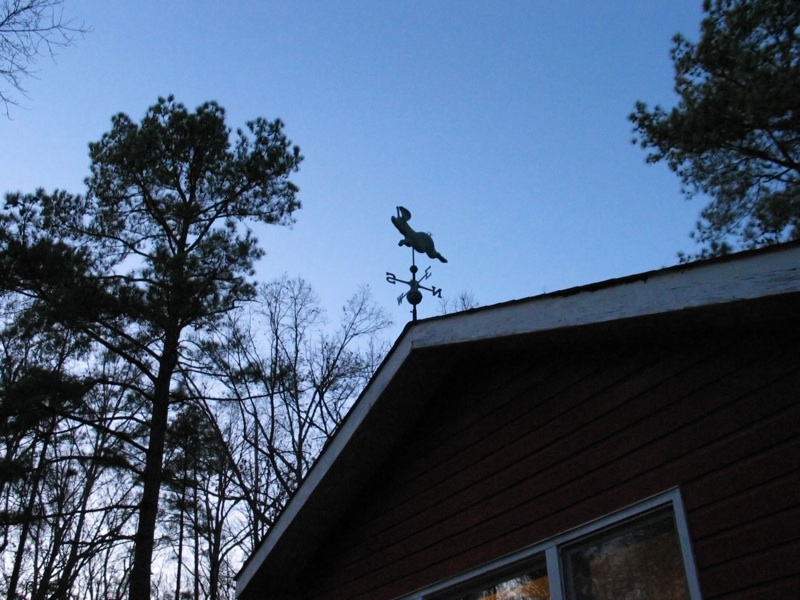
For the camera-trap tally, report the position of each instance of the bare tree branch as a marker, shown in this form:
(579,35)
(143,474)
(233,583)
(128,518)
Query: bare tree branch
(30,29)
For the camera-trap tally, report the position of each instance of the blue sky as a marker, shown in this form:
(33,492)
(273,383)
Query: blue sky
(502,127)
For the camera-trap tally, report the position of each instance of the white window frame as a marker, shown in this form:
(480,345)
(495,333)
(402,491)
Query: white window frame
(550,550)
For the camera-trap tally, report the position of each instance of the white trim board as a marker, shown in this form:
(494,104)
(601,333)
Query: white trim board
(752,275)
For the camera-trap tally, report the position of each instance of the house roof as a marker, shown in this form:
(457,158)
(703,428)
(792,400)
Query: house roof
(747,287)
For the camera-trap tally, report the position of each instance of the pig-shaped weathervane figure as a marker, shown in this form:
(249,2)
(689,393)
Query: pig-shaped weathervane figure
(419,241)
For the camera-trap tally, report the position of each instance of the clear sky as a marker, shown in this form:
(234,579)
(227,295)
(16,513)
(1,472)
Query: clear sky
(501,125)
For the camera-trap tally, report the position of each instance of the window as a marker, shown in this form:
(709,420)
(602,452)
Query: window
(638,560)
(639,553)
(530,585)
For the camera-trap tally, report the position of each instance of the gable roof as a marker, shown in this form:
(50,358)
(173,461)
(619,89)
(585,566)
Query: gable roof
(748,286)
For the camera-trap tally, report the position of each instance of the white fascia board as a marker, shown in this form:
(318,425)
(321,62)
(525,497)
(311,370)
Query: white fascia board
(747,276)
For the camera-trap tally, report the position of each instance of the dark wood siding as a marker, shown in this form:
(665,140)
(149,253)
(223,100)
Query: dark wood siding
(517,448)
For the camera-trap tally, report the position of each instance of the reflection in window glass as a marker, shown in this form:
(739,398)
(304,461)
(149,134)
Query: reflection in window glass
(640,562)
(527,586)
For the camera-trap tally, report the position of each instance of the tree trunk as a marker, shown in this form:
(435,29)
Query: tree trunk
(27,515)
(144,541)
(196,540)
(69,571)
(181,510)
(215,542)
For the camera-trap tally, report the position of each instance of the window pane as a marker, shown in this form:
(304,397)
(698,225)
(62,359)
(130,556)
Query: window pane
(527,586)
(638,562)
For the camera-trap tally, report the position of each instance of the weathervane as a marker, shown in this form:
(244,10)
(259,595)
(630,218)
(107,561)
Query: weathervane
(419,242)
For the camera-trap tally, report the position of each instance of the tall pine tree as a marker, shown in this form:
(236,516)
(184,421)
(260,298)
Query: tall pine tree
(157,249)
(734,134)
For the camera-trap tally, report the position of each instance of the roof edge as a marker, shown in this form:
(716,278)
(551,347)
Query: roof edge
(745,275)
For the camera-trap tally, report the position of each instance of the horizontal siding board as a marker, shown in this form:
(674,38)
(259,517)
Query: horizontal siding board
(492,551)
(603,491)
(438,434)
(593,483)
(757,468)
(451,540)
(406,501)
(780,527)
(699,470)
(582,473)
(775,565)
(469,437)
(740,509)
(485,459)
(784,589)
(442,505)
(503,479)
(674,451)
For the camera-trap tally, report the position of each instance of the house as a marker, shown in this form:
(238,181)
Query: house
(637,438)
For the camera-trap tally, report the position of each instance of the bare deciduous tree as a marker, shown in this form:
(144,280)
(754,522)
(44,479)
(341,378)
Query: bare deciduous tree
(464,301)
(292,382)
(28,30)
